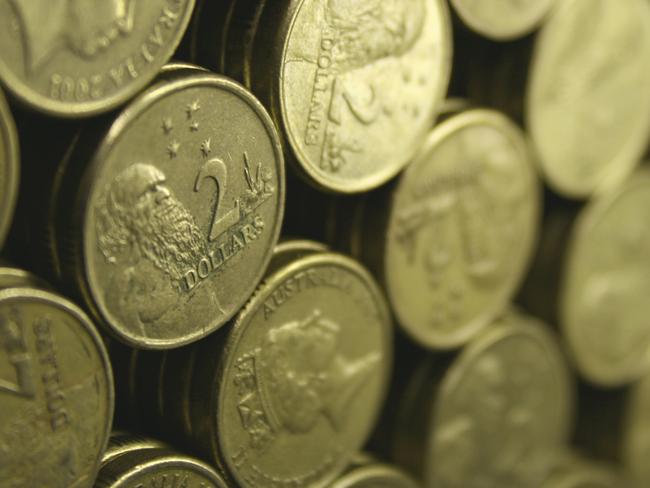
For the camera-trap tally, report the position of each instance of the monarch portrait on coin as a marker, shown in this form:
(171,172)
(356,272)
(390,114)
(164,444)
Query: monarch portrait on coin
(87,30)
(296,377)
(149,234)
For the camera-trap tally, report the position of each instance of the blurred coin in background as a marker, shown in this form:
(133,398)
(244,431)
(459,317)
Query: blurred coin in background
(604,307)
(502,19)
(462,223)
(56,392)
(176,212)
(9,168)
(496,417)
(588,102)
(353,85)
(75,58)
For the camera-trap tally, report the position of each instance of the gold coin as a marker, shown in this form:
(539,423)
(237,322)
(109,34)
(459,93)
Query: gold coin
(9,168)
(56,392)
(462,224)
(603,300)
(157,467)
(502,19)
(177,212)
(374,476)
(498,415)
(354,85)
(121,442)
(11,277)
(588,102)
(79,58)
(301,375)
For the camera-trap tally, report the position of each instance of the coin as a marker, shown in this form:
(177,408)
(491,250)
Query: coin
(92,55)
(289,250)
(157,467)
(588,106)
(497,416)
(176,212)
(295,387)
(122,442)
(374,476)
(462,222)
(11,277)
(502,19)
(9,168)
(603,297)
(56,392)
(353,85)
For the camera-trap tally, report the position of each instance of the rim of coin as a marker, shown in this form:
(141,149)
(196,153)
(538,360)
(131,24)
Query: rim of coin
(509,325)
(75,96)
(421,332)
(90,187)
(10,167)
(504,29)
(374,475)
(591,216)
(245,322)
(270,59)
(616,161)
(82,324)
(143,464)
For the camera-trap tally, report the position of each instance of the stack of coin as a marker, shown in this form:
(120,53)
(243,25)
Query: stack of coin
(315,249)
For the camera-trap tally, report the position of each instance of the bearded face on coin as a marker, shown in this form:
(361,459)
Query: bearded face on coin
(153,240)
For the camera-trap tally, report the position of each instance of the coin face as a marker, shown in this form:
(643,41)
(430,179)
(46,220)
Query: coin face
(374,476)
(588,106)
(462,224)
(9,168)
(158,467)
(502,19)
(180,210)
(56,392)
(76,58)
(359,84)
(604,307)
(304,375)
(502,410)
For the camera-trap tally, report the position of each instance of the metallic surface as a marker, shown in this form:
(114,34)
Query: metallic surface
(9,168)
(83,57)
(502,19)
(178,211)
(353,85)
(604,305)
(300,380)
(588,102)
(157,467)
(56,392)
(462,226)
(498,415)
